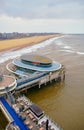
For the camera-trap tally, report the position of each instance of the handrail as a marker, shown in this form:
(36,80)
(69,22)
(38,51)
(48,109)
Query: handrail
(8,116)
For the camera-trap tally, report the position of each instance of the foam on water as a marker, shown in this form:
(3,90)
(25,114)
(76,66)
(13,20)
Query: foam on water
(73,51)
(80,53)
(59,43)
(67,47)
(69,51)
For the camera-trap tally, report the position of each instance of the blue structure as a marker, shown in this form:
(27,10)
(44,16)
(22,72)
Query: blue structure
(26,80)
(29,64)
(17,120)
(54,66)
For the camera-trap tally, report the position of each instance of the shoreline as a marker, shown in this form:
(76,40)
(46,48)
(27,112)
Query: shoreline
(15,44)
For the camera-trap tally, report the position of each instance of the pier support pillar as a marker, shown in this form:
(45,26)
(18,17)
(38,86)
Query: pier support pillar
(39,85)
(64,77)
(50,81)
(45,83)
(55,79)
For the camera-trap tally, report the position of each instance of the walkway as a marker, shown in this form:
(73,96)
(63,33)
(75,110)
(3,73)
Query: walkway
(17,120)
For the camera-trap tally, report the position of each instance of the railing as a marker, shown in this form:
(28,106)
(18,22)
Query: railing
(53,123)
(12,127)
(33,78)
(8,116)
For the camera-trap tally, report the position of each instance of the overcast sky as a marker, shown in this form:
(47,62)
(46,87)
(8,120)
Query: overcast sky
(66,16)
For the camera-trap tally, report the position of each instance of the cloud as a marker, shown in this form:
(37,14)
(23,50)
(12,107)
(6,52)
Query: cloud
(11,24)
(43,9)
(42,16)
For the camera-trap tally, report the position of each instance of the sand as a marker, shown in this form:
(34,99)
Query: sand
(23,42)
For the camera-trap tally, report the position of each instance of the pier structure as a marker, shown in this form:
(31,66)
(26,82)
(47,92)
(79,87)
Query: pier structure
(7,83)
(33,70)
(15,122)
(7,100)
(30,70)
(25,115)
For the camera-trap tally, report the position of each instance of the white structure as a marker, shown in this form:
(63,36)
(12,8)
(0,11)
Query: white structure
(7,84)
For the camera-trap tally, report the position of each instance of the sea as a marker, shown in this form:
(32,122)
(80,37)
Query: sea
(63,102)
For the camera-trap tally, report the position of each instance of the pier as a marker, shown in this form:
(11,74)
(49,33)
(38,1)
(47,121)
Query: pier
(12,116)
(35,70)
(31,71)
(25,115)
(40,79)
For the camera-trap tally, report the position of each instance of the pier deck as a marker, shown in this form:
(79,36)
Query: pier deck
(17,120)
(38,79)
(23,118)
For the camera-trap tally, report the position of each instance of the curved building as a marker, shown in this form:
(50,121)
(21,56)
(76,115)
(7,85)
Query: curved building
(31,64)
(7,84)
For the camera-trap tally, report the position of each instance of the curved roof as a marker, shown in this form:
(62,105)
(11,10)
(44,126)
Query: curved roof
(55,66)
(6,81)
(36,58)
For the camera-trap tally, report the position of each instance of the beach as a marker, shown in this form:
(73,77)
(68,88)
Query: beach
(23,42)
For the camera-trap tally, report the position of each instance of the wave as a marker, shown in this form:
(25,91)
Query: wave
(70,51)
(59,43)
(80,53)
(67,47)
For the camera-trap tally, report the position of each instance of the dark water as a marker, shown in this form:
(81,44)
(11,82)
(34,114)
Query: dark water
(64,102)
(3,121)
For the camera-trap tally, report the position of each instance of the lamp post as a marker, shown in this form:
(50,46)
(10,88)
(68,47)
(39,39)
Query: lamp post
(47,124)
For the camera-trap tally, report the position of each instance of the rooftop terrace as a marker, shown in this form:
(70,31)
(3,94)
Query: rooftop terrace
(6,81)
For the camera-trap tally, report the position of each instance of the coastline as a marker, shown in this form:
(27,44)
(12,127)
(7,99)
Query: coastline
(15,44)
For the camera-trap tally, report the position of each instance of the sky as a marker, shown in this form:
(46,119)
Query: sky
(60,16)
